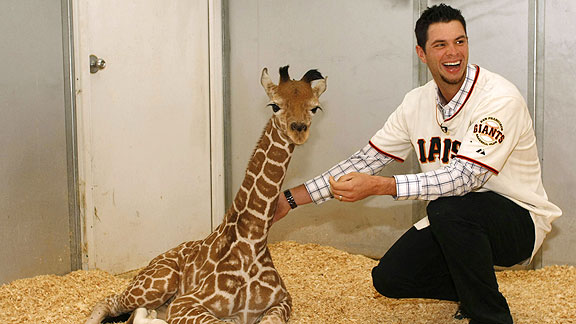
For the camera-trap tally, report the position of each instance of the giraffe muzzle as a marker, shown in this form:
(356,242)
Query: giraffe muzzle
(298,127)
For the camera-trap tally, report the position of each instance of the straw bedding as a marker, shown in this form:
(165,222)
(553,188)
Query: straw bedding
(327,286)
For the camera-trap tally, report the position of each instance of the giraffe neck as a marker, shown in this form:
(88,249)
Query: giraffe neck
(254,205)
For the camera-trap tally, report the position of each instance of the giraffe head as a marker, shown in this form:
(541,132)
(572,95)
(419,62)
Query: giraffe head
(294,102)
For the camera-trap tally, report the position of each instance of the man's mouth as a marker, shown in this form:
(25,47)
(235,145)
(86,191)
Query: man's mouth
(452,66)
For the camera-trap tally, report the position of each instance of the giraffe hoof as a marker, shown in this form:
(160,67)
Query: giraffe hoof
(139,315)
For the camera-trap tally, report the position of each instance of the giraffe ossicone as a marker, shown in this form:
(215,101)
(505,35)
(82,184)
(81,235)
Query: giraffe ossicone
(229,276)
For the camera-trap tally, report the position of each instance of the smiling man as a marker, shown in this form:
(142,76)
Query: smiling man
(473,136)
(446,55)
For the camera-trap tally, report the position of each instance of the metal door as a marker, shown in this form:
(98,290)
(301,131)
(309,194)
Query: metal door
(144,128)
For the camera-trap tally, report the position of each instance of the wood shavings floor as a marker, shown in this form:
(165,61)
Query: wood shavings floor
(327,286)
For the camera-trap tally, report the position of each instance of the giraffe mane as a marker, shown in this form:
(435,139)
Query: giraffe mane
(260,138)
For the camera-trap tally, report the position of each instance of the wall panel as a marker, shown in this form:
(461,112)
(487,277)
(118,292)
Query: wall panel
(559,127)
(34,230)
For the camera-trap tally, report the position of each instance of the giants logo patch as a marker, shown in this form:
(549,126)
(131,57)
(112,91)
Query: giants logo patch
(489,131)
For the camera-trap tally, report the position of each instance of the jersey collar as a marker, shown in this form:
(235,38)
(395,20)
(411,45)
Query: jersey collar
(451,109)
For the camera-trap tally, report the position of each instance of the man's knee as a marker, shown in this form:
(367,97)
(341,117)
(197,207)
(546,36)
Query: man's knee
(385,281)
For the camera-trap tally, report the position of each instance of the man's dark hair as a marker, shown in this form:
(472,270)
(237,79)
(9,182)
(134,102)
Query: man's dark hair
(435,14)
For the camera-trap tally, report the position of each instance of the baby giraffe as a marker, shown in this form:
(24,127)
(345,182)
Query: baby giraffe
(229,276)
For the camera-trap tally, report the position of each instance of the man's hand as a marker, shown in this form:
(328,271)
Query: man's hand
(282,208)
(357,186)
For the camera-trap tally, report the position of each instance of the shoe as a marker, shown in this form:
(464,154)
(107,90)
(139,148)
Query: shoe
(461,313)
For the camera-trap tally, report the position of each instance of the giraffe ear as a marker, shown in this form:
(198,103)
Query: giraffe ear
(320,87)
(267,83)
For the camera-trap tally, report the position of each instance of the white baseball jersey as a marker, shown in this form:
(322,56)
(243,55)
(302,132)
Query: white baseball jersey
(493,129)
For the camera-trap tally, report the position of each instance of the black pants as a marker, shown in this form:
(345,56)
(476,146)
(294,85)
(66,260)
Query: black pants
(453,259)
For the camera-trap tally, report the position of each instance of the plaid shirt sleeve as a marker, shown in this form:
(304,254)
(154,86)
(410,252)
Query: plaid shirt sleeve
(459,178)
(367,160)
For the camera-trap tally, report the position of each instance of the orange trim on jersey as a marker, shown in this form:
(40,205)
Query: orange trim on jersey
(479,163)
(469,93)
(387,154)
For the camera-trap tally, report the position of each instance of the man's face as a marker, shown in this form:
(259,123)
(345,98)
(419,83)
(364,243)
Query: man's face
(446,52)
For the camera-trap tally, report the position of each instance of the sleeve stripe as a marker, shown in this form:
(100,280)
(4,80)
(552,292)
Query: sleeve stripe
(387,154)
(479,163)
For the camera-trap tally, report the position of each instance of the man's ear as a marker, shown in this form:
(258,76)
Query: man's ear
(421,53)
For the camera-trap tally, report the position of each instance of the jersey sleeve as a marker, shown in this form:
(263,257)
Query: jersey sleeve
(494,132)
(393,138)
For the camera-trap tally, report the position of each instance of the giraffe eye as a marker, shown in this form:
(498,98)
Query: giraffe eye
(315,109)
(275,107)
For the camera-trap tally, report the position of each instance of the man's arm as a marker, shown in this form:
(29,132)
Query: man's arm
(357,186)
(459,178)
(367,160)
(350,187)
(317,190)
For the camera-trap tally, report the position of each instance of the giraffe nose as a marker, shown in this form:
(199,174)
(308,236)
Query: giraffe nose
(299,127)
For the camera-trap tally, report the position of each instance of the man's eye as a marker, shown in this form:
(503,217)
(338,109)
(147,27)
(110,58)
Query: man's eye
(275,107)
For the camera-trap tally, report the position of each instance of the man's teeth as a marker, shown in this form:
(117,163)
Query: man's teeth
(452,64)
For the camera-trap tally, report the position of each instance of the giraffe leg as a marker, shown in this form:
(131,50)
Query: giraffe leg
(151,288)
(186,310)
(278,314)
